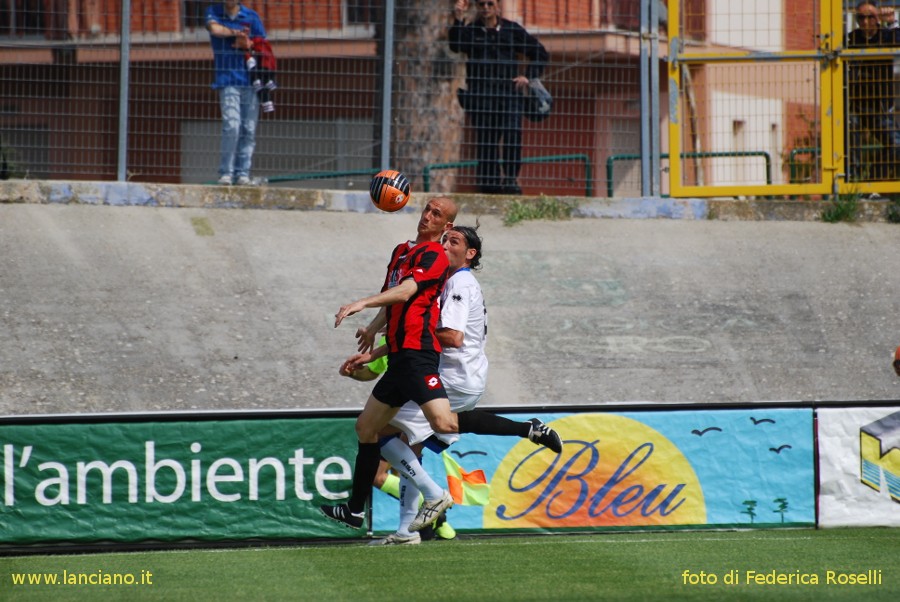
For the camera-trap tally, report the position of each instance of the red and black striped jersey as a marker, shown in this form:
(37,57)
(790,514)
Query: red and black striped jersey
(412,325)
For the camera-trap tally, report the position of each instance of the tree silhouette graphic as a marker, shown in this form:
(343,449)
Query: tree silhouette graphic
(782,506)
(750,509)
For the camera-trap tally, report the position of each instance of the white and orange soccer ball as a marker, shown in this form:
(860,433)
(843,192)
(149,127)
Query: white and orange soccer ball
(389,190)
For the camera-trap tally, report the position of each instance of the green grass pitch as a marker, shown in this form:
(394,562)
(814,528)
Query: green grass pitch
(849,564)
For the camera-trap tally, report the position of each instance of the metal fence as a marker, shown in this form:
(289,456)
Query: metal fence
(121,90)
(359,87)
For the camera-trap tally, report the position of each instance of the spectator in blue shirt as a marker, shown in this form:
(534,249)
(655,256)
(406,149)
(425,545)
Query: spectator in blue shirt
(231,27)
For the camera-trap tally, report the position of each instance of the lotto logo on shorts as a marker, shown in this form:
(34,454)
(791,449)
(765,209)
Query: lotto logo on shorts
(432,381)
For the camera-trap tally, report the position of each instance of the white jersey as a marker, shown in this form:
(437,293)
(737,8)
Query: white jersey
(462,308)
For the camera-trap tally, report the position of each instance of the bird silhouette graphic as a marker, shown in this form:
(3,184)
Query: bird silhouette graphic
(761,420)
(706,430)
(780,448)
(462,455)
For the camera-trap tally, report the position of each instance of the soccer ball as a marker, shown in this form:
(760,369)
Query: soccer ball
(389,190)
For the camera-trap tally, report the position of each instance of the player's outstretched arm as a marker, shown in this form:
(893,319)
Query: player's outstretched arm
(398,294)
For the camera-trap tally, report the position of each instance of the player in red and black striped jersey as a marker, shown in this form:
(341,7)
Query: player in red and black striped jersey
(412,325)
(409,308)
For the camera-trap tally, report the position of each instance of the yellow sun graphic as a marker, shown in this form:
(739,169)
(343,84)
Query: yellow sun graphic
(613,471)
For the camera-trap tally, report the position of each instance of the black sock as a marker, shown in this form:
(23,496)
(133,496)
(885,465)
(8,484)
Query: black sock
(367,459)
(481,422)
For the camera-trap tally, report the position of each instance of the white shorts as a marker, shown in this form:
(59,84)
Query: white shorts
(411,420)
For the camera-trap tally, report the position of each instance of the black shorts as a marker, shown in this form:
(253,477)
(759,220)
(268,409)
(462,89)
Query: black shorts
(412,375)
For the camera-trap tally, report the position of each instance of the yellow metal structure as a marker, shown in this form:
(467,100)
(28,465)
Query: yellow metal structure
(829,60)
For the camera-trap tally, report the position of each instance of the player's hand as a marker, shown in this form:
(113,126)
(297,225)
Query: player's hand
(365,340)
(346,369)
(521,82)
(347,310)
(354,363)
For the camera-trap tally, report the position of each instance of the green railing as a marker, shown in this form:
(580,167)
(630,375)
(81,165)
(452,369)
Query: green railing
(322,175)
(325,175)
(588,180)
(610,163)
(815,152)
(426,176)
(792,163)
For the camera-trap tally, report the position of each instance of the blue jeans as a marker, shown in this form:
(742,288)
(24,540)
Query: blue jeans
(240,113)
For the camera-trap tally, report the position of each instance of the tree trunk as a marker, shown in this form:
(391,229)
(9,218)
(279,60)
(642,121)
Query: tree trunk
(426,121)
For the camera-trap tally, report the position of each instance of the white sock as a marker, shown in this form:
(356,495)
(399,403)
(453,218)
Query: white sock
(409,505)
(407,464)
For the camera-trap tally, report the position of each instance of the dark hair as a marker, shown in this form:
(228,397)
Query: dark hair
(473,241)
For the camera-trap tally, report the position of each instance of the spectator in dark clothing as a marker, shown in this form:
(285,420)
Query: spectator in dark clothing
(494,97)
(870,91)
